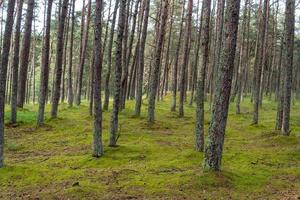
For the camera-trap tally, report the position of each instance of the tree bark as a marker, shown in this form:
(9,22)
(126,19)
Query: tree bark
(185,57)
(199,130)
(140,65)
(260,51)
(97,137)
(83,54)
(45,67)
(157,60)
(59,56)
(289,51)
(70,67)
(175,70)
(213,151)
(15,63)
(25,55)
(109,57)
(3,71)
(114,123)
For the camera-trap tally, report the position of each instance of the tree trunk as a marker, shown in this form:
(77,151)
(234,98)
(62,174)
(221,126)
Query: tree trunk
(45,67)
(213,151)
(184,66)
(70,68)
(243,57)
(109,57)
(83,54)
(97,137)
(199,130)
(140,63)
(59,56)
(289,51)
(157,60)
(175,70)
(3,71)
(260,51)
(114,123)
(15,64)
(25,55)
(196,62)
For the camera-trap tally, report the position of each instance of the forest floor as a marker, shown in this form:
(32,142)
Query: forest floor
(152,161)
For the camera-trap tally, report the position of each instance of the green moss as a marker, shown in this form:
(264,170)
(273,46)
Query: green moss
(152,161)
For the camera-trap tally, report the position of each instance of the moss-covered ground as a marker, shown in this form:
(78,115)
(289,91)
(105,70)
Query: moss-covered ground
(152,161)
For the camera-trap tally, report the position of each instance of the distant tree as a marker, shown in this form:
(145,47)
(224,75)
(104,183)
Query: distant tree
(45,66)
(59,56)
(199,130)
(83,54)
(185,56)
(157,60)
(15,63)
(259,60)
(140,64)
(25,54)
(244,54)
(175,70)
(109,56)
(70,68)
(114,123)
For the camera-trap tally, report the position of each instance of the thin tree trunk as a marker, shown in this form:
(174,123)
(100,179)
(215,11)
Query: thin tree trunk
(15,64)
(25,55)
(175,70)
(199,130)
(114,123)
(45,66)
(109,57)
(140,63)
(97,137)
(83,54)
(260,51)
(58,63)
(157,60)
(70,69)
(184,66)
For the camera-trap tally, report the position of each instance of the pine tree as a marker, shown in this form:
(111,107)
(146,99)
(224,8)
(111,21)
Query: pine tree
(45,66)
(3,71)
(214,148)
